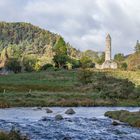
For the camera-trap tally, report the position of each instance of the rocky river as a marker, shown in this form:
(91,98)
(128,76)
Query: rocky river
(88,123)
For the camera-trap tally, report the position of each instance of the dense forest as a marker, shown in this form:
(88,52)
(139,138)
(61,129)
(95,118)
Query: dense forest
(23,42)
(25,47)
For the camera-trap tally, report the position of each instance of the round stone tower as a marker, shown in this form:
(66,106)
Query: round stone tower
(108,48)
(108,64)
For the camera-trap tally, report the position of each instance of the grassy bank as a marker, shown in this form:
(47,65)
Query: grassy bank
(62,99)
(41,81)
(132,118)
(62,88)
(12,135)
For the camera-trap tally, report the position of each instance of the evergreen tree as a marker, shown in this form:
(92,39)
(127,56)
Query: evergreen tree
(60,47)
(137,47)
(119,57)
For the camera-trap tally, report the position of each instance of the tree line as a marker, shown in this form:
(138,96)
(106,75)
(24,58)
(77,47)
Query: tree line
(24,47)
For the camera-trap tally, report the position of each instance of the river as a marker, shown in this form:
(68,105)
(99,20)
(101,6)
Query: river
(88,123)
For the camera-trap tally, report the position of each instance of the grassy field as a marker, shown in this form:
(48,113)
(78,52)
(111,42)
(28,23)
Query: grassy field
(58,88)
(41,81)
(133,76)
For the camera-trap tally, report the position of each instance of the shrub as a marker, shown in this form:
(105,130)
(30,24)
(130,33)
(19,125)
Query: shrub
(29,64)
(119,57)
(60,60)
(136,93)
(116,88)
(86,62)
(69,66)
(46,66)
(13,65)
(85,76)
(37,67)
(123,66)
(110,87)
(75,63)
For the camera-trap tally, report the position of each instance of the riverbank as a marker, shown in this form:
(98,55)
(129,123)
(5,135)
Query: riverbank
(63,88)
(62,99)
(132,118)
(12,135)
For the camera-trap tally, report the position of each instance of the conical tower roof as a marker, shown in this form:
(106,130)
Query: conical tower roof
(108,36)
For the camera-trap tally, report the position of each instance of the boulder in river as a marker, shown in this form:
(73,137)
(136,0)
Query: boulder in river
(70,111)
(44,119)
(58,117)
(39,108)
(49,110)
(115,123)
(67,138)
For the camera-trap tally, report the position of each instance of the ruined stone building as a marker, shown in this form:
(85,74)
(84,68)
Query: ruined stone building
(109,63)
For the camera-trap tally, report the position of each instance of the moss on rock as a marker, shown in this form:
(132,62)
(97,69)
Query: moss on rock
(132,118)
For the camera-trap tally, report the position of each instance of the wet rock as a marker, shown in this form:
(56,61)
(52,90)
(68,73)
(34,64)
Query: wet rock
(49,110)
(94,119)
(39,108)
(70,111)
(67,138)
(69,120)
(44,119)
(115,123)
(58,117)
(118,132)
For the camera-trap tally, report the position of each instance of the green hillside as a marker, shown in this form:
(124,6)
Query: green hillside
(25,44)
(26,36)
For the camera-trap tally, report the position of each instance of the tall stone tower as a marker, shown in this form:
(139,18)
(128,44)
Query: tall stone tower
(108,48)
(109,63)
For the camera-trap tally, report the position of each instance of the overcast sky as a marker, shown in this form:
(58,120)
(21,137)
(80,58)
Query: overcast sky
(82,23)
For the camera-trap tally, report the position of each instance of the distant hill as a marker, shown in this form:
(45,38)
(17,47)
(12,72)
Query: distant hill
(31,47)
(25,34)
(22,40)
